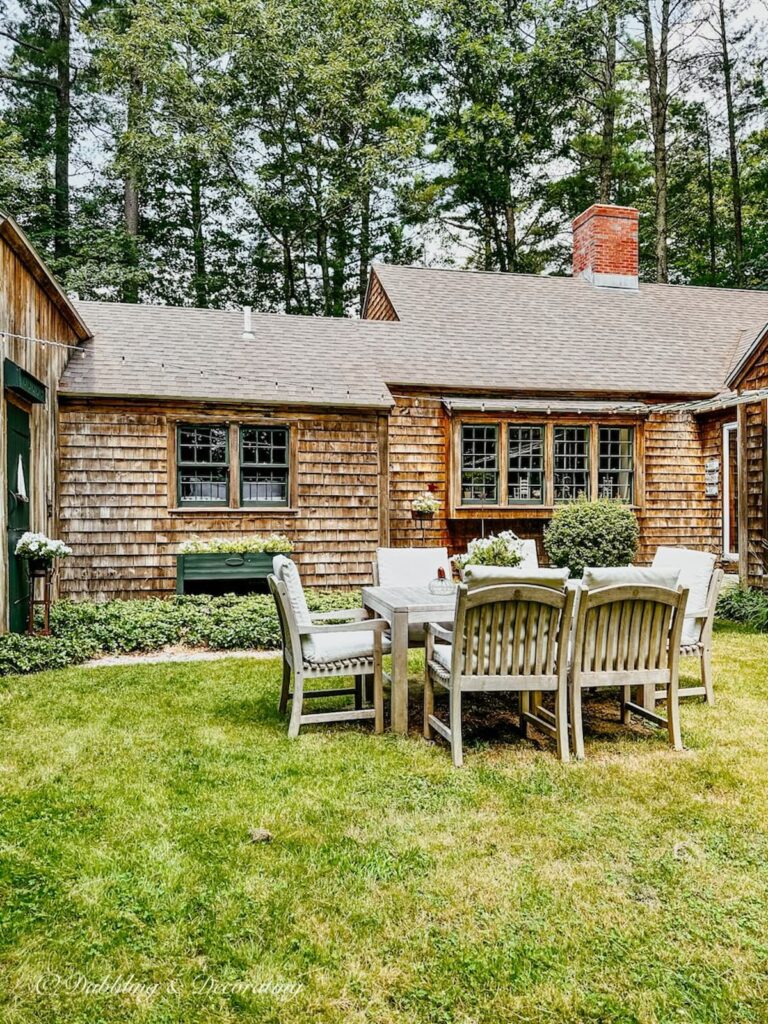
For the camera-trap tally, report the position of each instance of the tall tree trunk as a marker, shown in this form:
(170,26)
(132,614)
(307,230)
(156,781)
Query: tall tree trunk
(658,79)
(733,149)
(365,245)
(200,277)
(130,289)
(511,235)
(62,120)
(711,236)
(608,101)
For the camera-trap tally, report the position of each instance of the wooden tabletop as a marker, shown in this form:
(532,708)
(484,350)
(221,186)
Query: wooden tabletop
(418,602)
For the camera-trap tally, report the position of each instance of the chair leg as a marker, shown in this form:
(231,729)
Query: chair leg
(378,695)
(626,697)
(429,703)
(561,724)
(576,722)
(706,676)
(673,718)
(298,699)
(525,707)
(286,689)
(454,718)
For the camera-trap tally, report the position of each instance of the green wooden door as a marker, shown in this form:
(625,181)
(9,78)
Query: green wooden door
(18,511)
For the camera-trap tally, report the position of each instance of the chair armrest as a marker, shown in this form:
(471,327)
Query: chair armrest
(438,631)
(351,614)
(371,625)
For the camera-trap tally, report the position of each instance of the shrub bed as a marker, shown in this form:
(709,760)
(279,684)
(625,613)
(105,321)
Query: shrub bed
(81,630)
(745,604)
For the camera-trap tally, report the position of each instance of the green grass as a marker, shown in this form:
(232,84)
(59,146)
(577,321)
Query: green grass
(632,887)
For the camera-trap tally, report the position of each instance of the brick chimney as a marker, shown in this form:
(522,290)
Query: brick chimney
(605,246)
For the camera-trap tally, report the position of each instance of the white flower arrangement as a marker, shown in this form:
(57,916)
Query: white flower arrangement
(41,548)
(504,548)
(425,504)
(274,544)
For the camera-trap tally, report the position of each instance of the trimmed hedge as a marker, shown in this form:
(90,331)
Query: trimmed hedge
(82,630)
(744,604)
(591,533)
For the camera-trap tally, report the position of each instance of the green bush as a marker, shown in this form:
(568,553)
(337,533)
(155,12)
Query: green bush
(745,604)
(591,533)
(81,630)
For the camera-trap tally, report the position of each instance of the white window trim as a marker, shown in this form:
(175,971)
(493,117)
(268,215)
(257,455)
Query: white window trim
(728,428)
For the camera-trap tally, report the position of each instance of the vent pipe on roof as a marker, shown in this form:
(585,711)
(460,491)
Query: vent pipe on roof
(248,334)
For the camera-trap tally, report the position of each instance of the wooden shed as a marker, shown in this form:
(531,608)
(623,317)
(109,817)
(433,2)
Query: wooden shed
(39,329)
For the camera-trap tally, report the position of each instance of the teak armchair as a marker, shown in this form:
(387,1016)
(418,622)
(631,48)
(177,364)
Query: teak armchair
(625,636)
(508,636)
(314,647)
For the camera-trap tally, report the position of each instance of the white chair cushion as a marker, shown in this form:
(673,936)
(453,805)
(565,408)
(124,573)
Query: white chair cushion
(443,654)
(695,569)
(332,647)
(530,555)
(287,573)
(489,575)
(411,567)
(628,575)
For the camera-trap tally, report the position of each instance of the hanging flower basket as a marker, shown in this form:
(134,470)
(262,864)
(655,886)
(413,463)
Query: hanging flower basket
(425,506)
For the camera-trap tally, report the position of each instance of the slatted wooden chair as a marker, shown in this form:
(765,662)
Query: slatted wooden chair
(314,647)
(628,635)
(510,634)
(703,581)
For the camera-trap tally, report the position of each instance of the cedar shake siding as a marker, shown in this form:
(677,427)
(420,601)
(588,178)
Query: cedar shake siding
(753,422)
(118,499)
(377,304)
(672,505)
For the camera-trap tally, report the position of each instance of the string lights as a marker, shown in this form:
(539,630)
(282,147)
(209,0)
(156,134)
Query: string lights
(43,341)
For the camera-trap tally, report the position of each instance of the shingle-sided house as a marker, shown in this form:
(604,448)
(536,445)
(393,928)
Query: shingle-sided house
(505,394)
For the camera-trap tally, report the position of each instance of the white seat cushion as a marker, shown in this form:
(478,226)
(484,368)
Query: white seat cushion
(332,647)
(492,575)
(411,567)
(443,654)
(695,569)
(530,555)
(628,575)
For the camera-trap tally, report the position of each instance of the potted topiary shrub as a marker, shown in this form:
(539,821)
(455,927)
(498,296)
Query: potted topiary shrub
(591,533)
(221,558)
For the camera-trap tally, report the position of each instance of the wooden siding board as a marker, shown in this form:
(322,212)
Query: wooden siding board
(26,309)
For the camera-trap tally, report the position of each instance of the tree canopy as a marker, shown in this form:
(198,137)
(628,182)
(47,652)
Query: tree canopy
(265,152)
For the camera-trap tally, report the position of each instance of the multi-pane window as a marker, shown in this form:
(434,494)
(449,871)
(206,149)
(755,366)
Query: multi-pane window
(616,463)
(479,464)
(570,468)
(264,466)
(203,465)
(525,462)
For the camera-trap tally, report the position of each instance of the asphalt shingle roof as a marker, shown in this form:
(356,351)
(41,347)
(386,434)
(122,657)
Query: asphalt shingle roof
(182,353)
(458,330)
(518,331)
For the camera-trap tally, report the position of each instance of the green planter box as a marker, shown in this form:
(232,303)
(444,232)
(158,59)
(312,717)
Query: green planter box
(219,566)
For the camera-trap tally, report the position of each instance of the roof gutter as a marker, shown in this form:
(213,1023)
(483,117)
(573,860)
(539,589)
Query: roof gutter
(545,405)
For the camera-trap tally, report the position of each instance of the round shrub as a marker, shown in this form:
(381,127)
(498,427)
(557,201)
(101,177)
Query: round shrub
(594,533)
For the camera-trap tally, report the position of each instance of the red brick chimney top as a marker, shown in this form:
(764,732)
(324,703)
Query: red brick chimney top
(605,246)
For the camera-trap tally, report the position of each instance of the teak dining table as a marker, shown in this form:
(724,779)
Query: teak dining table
(403,607)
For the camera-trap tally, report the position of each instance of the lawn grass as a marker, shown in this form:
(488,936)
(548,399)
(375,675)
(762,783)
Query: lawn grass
(632,887)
